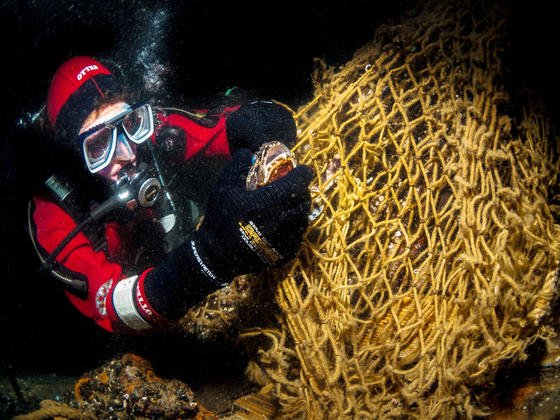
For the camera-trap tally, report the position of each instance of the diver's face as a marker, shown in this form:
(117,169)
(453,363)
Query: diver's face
(124,152)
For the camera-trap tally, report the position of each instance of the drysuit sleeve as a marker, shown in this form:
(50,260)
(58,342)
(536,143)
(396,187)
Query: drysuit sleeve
(115,303)
(179,138)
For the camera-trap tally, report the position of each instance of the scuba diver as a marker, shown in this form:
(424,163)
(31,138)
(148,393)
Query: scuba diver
(122,231)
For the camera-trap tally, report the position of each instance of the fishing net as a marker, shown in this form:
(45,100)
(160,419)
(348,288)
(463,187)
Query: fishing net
(433,258)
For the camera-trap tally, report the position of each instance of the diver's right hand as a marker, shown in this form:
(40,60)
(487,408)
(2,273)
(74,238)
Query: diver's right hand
(247,231)
(243,232)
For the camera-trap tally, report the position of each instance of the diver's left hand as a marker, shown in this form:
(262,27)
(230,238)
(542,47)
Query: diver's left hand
(260,122)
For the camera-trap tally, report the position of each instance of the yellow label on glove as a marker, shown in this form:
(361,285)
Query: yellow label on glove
(258,243)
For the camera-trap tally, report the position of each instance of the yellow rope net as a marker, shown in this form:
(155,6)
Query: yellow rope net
(433,260)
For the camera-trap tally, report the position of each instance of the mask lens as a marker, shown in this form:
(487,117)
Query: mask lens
(139,124)
(98,147)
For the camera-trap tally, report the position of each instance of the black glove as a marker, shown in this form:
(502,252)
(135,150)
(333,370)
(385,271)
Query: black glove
(243,232)
(246,231)
(260,122)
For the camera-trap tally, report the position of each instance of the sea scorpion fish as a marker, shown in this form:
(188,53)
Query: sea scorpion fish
(271,161)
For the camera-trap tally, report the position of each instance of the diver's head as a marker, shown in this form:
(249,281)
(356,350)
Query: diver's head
(77,88)
(87,110)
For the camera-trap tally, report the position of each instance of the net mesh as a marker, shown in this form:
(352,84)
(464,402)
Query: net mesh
(434,257)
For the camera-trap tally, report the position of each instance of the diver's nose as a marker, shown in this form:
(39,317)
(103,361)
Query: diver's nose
(124,151)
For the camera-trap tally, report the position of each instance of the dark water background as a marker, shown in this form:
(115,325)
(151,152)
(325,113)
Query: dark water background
(176,52)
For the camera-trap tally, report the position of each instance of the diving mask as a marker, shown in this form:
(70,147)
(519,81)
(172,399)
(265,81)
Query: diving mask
(99,143)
